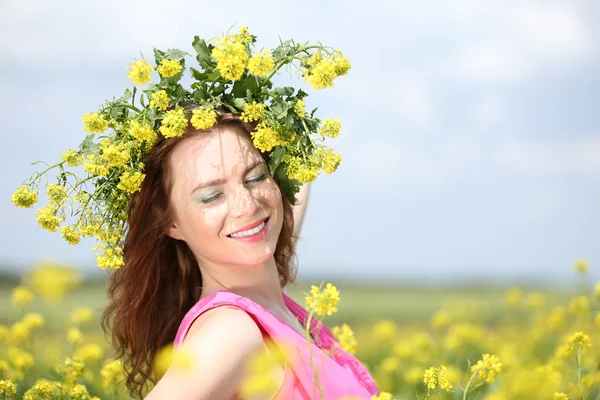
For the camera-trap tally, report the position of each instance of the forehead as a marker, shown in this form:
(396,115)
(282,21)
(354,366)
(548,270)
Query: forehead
(211,155)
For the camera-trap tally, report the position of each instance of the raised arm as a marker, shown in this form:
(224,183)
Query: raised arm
(219,342)
(300,209)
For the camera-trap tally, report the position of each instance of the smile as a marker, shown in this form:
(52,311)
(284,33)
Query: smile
(254,232)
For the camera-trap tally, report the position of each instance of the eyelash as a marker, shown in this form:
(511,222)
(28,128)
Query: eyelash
(260,178)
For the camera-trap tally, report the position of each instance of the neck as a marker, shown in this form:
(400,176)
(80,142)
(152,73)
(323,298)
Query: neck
(259,283)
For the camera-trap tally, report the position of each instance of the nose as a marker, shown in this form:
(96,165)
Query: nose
(245,204)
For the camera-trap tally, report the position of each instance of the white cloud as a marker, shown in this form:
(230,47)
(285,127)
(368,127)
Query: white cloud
(550,30)
(411,100)
(486,111)
(579,156)
(519,41)
(489,61)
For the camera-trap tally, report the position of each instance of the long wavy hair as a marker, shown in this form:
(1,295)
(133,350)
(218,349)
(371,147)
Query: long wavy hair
(160,279)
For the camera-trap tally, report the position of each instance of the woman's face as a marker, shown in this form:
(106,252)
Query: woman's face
(221,184)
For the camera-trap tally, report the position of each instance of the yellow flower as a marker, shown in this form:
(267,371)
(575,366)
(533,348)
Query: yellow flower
(111,258)
(390,364)
(264,138)
(57,193)
(597,290)
(174,123)
(24,197)
(203,118)
(74,336)
(321,75)
(8,389)
(42,390)
(488,367)
(435,376)
(81,315)
(561,396)
(96,166)
(94,123)
(261,64)
(72,158)
(231,57)
(341,64)
(70,234)
(579,340)
(169,68)
(72,369)
(384,330)
(261,366)
(20,359)
(115,154)
(441,319)
(142,133)
(21,297)
(244,36)
(253,111)
(382,396)
(139,72)
(328,161)
(112,373)
(51,281)
(345,336)
(579,306)
(90,353)
(513,296)
(299,108)
(300,170)
(330,128)
(323,302)
(581,265)
(33,320)
(160,100)
(535,300)
(131,183)
(48,219)
(168,357)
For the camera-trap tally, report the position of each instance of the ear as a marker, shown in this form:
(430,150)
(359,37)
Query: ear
(173,231)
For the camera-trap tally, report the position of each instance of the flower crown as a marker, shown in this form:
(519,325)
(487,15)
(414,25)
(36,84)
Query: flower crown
(122,131)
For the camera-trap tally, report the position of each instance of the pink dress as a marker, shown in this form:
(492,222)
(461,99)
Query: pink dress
(340,375)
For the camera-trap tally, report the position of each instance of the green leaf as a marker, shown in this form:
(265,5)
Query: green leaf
(275,159)
(301,94)
(239,103)
(288,186)
(175,54)
(242,85)
(289,121)
(158,56)
(278,106)
(204,57)
(197,75)
(200,93)
(283,91)
(88,146)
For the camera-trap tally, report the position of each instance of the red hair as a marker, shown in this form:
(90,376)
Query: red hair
(160,279)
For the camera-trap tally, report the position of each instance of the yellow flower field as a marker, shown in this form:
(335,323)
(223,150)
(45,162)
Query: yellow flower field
(427,343)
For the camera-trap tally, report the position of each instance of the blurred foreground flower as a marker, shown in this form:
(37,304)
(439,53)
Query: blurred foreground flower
(325,301)
(51,281)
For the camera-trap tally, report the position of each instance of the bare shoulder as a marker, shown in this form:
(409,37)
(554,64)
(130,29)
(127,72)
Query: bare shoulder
(219,342)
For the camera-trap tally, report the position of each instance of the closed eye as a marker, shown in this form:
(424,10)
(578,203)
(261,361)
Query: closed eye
(258,179)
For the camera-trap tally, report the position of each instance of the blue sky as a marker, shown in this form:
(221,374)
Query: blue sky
(470,130)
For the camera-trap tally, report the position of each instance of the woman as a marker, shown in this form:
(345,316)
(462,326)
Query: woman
(185,249)
(193,207)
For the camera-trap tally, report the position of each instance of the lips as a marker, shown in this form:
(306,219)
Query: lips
(248,227)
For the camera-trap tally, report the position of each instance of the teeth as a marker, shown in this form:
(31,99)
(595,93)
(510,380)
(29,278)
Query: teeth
(249,232)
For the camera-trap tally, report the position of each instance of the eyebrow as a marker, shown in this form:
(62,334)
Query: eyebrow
(221,181)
